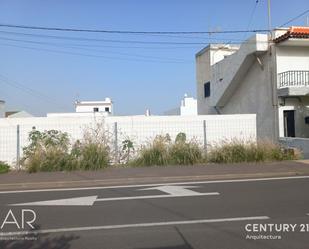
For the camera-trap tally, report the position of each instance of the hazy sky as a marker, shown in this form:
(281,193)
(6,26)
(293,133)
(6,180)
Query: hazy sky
(45,73)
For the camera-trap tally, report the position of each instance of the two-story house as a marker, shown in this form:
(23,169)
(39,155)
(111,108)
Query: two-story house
(267,75)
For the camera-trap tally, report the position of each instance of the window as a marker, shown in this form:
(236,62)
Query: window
(107,109)
(207,89)
(95,109)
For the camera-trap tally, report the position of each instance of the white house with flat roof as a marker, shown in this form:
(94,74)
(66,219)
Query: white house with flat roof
(94,106)
(266,75)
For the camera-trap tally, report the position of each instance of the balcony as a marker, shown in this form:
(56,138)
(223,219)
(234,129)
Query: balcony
(293,83)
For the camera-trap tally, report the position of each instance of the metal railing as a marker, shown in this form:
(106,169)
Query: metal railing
(293,78)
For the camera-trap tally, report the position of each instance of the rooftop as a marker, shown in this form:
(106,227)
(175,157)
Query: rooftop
(293,32)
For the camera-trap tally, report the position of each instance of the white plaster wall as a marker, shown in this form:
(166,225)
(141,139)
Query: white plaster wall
(292,58)
(188,107)
(140,129)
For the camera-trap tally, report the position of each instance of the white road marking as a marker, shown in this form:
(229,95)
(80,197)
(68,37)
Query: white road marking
(175,190)
(172,191)
(154,224)
(79,201)
(153,197)
(155,184)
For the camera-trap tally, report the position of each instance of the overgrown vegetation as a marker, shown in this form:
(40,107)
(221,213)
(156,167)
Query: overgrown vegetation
(4,167)
(47,151)
(92,152)
(51,151)
(164,152)
(238,151)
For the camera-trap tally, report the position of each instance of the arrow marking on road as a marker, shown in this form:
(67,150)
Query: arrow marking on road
(172,191)
(176,190)
(79,201)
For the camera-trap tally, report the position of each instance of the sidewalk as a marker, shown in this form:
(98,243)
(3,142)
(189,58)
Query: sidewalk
(126,176)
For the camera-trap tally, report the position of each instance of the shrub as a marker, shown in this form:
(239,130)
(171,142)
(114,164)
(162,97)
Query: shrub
(51,151)
(162,152)
(92,152)
(127,150)
(90,156)
(238,151)
(156,153)
(47,151)
(4,167)
(184,153)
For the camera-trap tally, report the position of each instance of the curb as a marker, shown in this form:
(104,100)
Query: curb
(140,180)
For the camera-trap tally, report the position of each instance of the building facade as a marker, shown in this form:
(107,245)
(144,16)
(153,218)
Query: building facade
(264,76)
(188,107)
(105,106)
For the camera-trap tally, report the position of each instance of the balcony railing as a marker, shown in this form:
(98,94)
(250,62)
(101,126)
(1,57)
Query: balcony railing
(293,79)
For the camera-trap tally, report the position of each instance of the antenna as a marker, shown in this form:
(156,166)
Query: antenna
(77,97)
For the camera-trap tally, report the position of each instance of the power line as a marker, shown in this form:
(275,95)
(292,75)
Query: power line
(73,46)
(94,56)
(106,40)
(29,90)
(252,15)
(294,18)
(128,31)
(117,41)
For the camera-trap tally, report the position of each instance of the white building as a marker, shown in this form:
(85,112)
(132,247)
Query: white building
(188,107)
(268,76)
(94,106)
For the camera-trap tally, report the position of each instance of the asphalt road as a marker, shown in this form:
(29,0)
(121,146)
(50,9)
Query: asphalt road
(209,214)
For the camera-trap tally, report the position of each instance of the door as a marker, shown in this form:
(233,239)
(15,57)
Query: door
(289,123)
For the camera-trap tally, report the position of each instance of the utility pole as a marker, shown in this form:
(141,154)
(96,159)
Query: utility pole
(269,16)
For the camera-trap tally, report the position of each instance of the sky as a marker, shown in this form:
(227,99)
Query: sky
(46,71)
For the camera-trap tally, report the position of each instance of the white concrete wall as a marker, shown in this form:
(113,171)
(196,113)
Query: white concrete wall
(188,106)
(140,129)
(292,58)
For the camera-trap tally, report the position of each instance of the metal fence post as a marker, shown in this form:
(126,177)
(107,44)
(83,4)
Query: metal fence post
(116,141)
(205,135)
(18,146)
